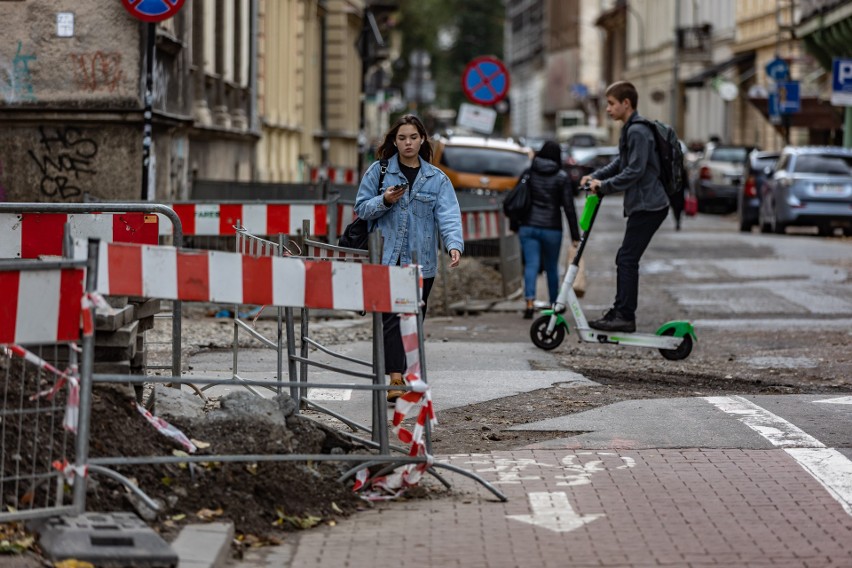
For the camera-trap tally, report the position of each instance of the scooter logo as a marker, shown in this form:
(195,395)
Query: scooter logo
(152,10)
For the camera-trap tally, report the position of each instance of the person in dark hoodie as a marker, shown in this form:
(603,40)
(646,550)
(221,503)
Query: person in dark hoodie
(540,231)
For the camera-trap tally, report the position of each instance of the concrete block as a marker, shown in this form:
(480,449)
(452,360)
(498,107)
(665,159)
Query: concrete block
(203,546)
(114,321)
(106,540)
(147,308)
(146,323)
(121,338)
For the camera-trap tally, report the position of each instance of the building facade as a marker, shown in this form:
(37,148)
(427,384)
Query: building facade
(243,91)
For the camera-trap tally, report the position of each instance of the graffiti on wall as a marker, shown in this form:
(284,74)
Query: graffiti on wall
(66,158)
(97,71)
(16,84)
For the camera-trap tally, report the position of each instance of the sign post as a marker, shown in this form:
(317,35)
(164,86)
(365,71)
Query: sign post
(151,12)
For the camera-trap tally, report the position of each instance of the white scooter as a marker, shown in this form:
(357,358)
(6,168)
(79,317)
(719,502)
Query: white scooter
(674,339)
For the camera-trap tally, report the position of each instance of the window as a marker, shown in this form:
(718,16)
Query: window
(485,161)
(735,155)
(828,164)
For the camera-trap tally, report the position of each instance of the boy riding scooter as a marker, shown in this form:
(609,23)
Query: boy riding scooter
(636,173)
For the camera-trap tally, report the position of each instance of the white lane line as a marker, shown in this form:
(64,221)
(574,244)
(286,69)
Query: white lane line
(329,394)
(841,400)
(832,469)
(772,427)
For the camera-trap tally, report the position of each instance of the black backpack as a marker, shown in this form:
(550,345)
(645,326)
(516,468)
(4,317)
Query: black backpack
(670,154)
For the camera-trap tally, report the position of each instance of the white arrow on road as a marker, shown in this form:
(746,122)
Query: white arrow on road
(841,400)
(552,511)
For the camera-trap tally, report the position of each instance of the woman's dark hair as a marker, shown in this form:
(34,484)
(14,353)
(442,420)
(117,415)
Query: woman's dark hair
(550,150)
(388,149)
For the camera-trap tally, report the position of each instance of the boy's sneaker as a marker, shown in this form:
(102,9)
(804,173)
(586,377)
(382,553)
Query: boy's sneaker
(613,321)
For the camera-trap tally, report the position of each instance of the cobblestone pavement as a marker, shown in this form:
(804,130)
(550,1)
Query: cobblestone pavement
(685,508)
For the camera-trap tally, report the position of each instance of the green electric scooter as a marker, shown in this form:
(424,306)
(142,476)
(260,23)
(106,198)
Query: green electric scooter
(674,339)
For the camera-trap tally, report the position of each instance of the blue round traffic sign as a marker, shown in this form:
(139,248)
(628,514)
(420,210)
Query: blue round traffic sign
(485,80)
(152,10)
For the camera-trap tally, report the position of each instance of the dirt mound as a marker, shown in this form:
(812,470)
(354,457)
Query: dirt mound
(261,499)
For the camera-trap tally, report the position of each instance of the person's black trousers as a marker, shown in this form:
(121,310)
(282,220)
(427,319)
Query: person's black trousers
(394,350)
(641,226)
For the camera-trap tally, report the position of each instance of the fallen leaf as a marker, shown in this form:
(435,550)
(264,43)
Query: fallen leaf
(209,514)
(72,563)
(199,444)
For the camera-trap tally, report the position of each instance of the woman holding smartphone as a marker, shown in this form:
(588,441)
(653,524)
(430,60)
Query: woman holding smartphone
(415,204)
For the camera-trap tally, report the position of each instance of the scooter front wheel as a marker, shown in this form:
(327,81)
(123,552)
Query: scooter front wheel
(681,352)
(544,340)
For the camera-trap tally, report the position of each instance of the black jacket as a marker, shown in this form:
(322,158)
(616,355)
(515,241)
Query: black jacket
(550,191)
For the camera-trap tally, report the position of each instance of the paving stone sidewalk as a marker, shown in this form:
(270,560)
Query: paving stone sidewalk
(618,508)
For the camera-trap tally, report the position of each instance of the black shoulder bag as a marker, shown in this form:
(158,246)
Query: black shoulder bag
(517,203)
(357,232)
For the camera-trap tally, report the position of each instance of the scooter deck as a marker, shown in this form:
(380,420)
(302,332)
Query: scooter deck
(634,339)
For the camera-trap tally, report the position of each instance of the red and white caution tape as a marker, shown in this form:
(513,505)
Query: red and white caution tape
(70,376)
(70,471)
(92,300)
(416,402)
(166,429)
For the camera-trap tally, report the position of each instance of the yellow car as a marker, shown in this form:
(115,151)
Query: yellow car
(480,165)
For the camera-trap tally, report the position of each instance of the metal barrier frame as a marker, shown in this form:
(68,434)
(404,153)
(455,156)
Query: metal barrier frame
(80,443)
(157,208)
(378,387)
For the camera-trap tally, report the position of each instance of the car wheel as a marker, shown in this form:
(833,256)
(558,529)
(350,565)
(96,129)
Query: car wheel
(847,231)
(825,230)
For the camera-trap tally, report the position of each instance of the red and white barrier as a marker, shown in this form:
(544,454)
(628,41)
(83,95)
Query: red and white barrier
(40,306)
(30,235)
(230,278)
(327,252)
(214,219)
(477,225)
(348,176)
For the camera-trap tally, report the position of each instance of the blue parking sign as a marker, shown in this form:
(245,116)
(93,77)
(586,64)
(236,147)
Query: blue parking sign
(841,82)
(789,100)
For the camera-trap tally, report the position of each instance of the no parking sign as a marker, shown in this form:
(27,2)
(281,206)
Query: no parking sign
(152,10)
(485,80)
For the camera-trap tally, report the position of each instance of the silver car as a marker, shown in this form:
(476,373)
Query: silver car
(811,186)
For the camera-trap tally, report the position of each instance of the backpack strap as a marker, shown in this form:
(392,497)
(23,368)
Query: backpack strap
(384,164)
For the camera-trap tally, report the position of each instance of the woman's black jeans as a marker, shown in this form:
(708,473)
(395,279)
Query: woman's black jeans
(641,226)
(394,350)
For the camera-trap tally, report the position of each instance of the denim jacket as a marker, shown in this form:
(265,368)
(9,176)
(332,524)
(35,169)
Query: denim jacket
(636,171)
(412,223)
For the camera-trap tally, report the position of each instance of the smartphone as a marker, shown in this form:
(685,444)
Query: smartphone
(402,187)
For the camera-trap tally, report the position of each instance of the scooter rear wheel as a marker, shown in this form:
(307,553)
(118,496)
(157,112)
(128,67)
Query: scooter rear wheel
(683,350)
(540,337)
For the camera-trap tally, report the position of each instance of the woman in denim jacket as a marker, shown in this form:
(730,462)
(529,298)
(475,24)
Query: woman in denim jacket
(416,202)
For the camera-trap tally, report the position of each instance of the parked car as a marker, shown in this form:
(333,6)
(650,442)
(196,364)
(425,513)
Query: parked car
(480,165)
(581,161)
(811,186)
(718,175)
(758,166)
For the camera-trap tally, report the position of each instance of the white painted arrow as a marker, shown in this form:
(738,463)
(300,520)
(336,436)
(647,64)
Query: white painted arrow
(841,400)
(552,511)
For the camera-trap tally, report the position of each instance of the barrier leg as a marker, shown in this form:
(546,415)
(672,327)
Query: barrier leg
(81,458)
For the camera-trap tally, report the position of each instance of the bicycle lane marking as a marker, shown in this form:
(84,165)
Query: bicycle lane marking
(552,510)
(829,467)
